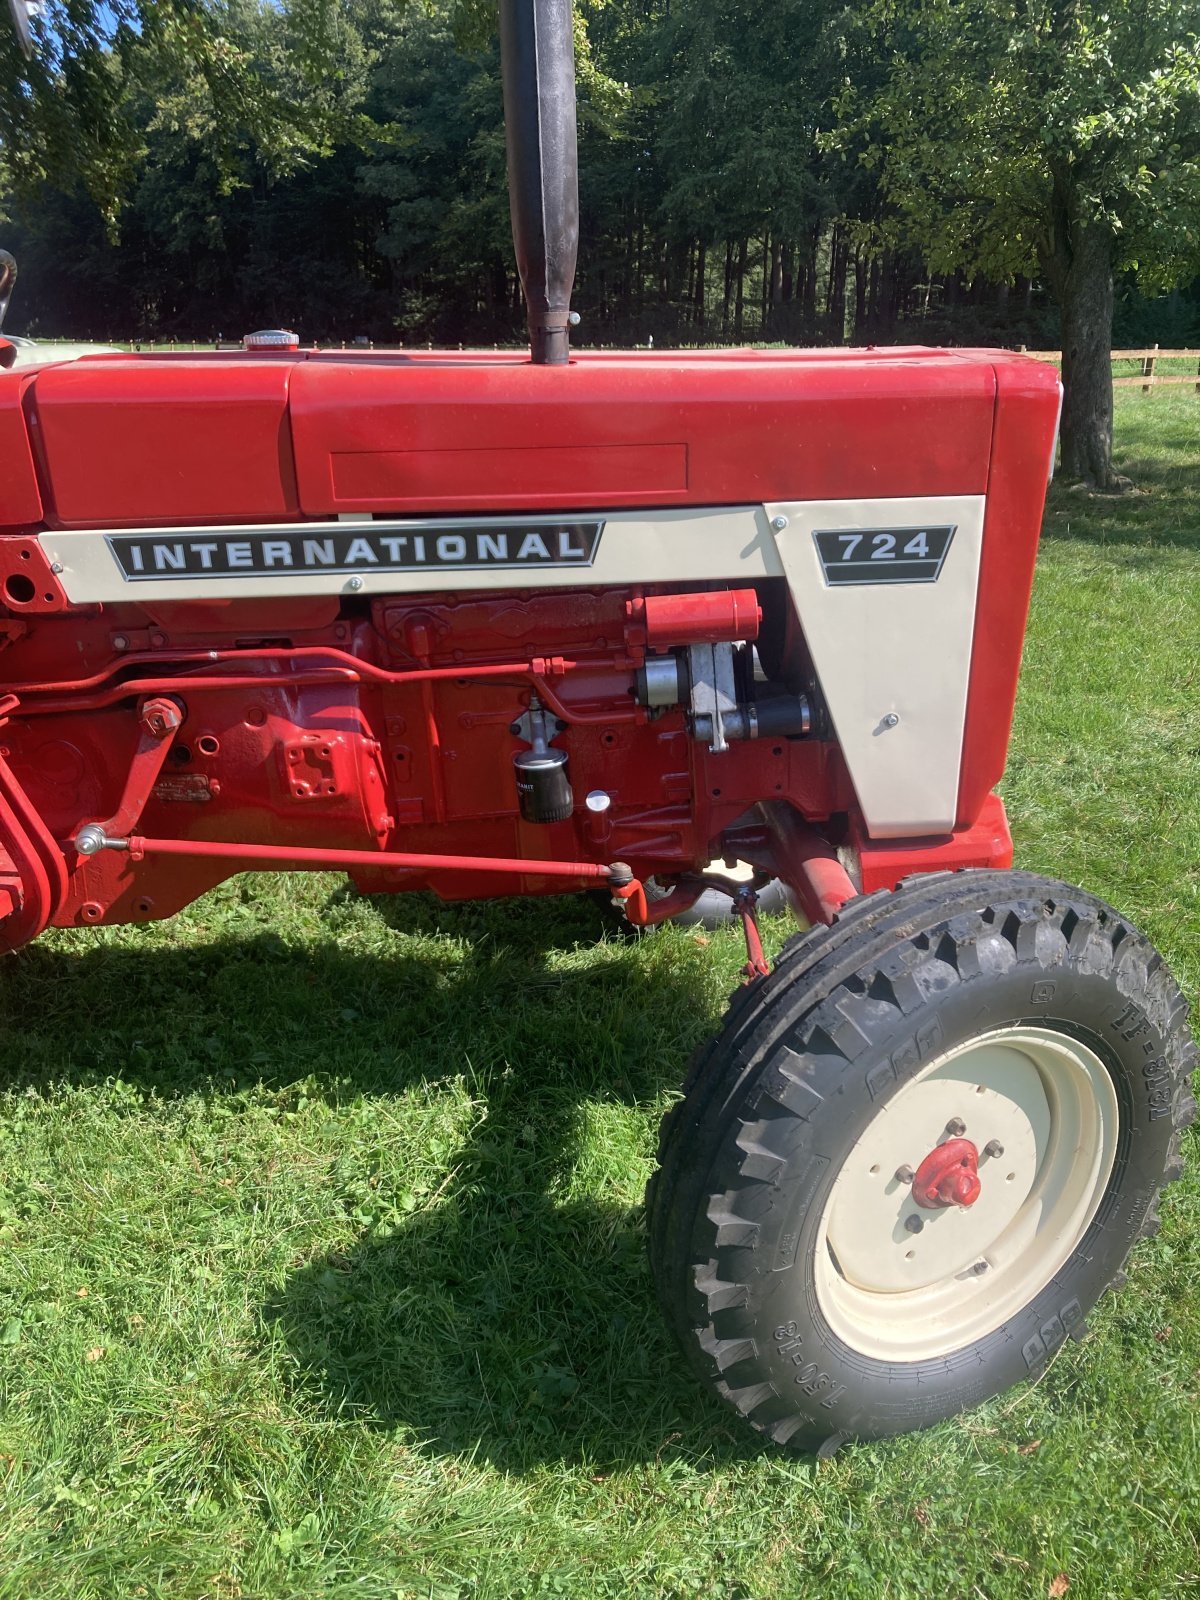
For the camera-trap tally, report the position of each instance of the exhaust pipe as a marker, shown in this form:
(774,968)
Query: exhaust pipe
(537,61)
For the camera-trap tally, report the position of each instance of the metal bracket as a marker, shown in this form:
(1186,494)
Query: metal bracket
(522,727)
(160,720)
(714,692)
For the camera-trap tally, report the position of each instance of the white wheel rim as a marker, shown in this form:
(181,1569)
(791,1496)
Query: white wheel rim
(894,1294)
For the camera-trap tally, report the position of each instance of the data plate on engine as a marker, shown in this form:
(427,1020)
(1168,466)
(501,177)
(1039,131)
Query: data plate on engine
(882,555)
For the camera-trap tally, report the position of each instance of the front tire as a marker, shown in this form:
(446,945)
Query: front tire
(782,1238)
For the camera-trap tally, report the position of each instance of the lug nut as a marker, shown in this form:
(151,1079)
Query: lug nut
(905,1174)
(993,1148)
(913,1224)
(979,1268)
(956,1127)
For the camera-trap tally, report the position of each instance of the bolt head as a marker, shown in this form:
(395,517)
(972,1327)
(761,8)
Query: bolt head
(354,583)
(56,567)
(891,720)
(120,642)
(779,523)
(913,1224)
(905,1174)
(956,1127)
(993,1148)
(979,1268)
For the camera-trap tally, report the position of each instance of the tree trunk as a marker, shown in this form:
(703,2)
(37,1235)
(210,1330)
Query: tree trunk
(739,307)
(810,283)
(861,271)
(1085,292)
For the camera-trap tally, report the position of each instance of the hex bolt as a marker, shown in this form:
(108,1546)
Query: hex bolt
(120,642)
(779,523)
(956,1127)
(161,717)
(979,1268)
(993,1148)
(905,1174)
(913,1224)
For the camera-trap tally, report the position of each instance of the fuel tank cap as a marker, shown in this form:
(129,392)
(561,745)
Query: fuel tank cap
(272,339)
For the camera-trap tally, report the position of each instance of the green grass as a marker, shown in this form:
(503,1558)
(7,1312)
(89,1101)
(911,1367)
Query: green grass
(321,1253)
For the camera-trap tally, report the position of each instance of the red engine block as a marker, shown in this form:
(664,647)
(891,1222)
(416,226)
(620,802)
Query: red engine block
(388,732)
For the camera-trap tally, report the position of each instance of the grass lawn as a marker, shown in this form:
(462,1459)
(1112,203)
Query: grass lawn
(321,1250)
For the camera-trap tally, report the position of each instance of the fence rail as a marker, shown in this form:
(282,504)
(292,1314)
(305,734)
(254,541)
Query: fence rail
(1149,377)
(1147,360)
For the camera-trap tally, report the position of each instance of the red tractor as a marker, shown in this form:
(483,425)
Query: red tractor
(498,624)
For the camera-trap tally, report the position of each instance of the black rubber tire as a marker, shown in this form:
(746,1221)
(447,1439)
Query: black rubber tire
(808,1056)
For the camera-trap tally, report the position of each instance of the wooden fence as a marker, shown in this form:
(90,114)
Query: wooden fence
(1149,377)
(1146,377)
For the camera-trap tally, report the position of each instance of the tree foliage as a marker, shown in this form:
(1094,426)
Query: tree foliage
(1053,136)
(229,75)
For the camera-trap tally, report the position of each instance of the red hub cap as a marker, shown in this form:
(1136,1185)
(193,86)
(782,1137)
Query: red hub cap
(948,1176)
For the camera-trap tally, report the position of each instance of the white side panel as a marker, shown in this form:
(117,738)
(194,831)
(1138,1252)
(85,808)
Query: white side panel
(893,659)
(634,547)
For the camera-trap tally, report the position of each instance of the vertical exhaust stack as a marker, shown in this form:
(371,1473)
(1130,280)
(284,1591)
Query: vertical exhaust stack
(537,59)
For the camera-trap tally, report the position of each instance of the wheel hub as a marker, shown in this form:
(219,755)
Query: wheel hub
(915,1263)
(948,1176)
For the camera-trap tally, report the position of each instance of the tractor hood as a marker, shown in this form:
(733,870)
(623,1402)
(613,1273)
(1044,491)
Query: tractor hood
(145,440)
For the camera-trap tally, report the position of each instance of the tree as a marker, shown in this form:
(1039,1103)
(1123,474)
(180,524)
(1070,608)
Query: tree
(1060,136)
(227,73)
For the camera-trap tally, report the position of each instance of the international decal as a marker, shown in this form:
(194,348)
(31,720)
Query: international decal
(244,553)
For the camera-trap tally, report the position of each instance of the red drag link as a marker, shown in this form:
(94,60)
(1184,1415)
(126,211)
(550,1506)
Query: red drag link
(300,859)
(757,965)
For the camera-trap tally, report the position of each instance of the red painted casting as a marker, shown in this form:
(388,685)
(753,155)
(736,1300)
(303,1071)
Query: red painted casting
(808,864)
(948,1176)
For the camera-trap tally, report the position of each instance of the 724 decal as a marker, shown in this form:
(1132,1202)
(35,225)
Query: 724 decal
(882,555)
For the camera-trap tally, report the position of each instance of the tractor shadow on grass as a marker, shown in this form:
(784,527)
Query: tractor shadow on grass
(503,1309)
(510,1318)
(516,1331)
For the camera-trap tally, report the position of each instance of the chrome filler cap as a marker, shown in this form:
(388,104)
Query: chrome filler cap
(272,339)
